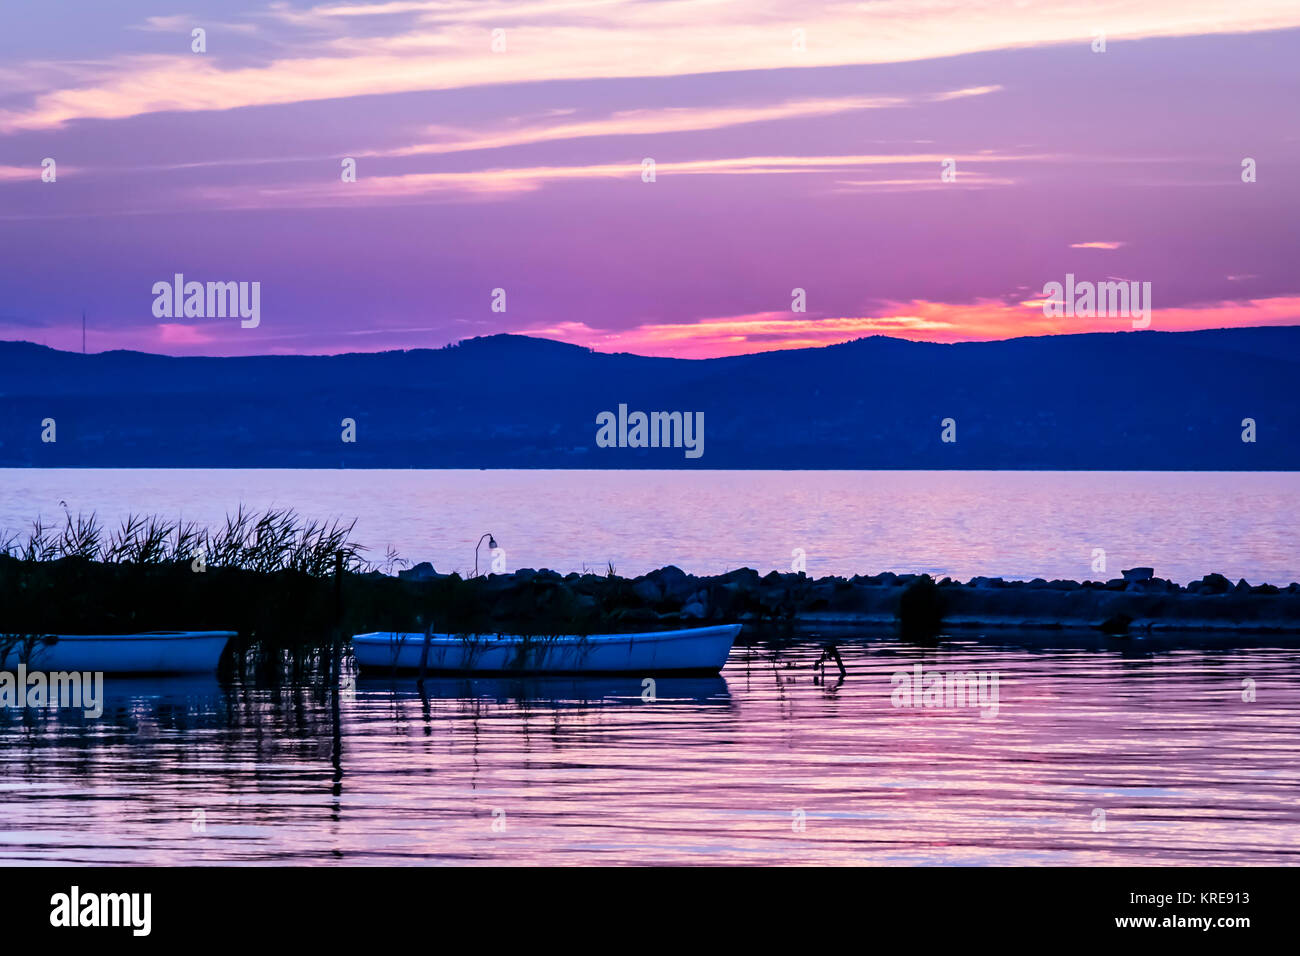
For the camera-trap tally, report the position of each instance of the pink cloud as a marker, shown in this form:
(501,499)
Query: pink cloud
(448,46)
(918,320)
(174,334)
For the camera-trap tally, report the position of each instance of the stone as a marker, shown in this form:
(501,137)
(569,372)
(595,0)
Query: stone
(741,576)
(1215,584)
(421,572)
(635,615)
(1138,574)
(648,590)
(675,584)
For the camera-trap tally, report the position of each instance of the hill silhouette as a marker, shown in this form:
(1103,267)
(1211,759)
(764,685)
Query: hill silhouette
(1126,400)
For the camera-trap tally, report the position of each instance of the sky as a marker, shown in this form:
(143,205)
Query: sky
(505,146)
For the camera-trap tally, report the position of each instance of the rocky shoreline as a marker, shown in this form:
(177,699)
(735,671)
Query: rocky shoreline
(293,608)
(1135,602)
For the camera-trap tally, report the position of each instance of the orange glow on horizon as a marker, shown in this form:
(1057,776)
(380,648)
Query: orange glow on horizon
(917,320)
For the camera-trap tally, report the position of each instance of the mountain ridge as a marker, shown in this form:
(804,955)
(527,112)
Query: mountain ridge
(1147,400)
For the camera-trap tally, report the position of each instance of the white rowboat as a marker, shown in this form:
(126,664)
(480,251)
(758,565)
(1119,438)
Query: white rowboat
(699,650)
(151,652)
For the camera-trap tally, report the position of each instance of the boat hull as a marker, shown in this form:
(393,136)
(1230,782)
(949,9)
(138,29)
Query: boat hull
(699,650)
(154,652)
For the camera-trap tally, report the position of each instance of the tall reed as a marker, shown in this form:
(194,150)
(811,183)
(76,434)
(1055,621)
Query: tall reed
(278,539)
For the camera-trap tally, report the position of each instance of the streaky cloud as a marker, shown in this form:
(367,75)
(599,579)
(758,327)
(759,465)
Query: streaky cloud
(448,46)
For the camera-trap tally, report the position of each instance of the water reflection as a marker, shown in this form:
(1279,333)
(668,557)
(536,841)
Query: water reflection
(558,691)
(780,760)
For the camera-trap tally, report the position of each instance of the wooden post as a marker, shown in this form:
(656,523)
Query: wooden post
(424,651)
(336,658)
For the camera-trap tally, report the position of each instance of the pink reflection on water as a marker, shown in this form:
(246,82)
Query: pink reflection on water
(712,771)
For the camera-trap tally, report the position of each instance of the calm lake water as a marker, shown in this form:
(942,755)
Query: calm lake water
(1010,524)
(1101,751)
(1153,742)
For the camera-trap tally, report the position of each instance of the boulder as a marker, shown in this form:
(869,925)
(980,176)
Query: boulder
(421,572)
(634,615)
(648,590)
(1138,574)
(674,583)
(1214,584)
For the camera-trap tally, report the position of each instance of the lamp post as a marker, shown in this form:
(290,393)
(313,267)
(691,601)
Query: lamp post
(492,543)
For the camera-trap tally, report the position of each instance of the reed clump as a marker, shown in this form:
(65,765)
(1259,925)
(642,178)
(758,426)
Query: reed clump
(278,539)
(293,589)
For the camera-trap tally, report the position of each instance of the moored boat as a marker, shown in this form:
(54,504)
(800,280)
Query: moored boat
(150,652)
(699,650)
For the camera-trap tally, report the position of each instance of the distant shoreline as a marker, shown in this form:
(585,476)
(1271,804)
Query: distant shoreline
(1226,402)
(1138,602)
(295,609)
